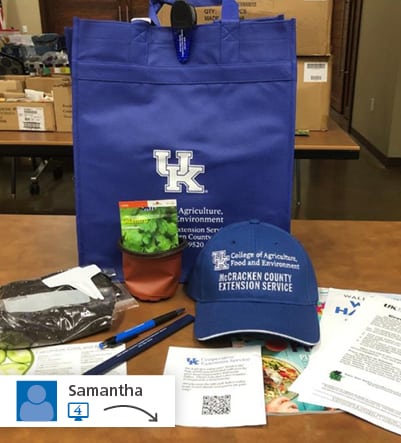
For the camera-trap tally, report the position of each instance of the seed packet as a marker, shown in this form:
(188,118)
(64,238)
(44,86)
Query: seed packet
(149,226)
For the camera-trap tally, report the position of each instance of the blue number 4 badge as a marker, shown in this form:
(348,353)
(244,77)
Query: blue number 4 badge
(78,411)
(36,401)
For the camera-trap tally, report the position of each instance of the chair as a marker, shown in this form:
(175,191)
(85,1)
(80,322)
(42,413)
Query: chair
(34,187)
(10,64)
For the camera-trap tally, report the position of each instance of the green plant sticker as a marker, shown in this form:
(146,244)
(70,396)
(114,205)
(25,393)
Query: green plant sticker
(336,375)
(149,226)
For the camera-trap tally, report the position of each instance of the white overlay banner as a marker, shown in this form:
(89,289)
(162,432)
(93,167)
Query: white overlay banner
(87,401)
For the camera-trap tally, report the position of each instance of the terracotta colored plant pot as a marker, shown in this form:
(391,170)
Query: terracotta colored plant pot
(155,276)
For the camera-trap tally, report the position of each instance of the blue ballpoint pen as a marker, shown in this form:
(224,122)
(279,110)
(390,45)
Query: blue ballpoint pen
(141,346)
(127,335)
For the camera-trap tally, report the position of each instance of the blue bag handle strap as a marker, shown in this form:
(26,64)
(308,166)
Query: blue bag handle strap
(229,9)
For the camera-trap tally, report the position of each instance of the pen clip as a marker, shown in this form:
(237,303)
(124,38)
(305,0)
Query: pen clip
(183,20)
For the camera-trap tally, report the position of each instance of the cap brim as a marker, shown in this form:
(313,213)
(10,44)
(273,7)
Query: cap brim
(294,322)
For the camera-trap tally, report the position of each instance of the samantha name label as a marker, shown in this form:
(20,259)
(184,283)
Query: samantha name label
(88,401)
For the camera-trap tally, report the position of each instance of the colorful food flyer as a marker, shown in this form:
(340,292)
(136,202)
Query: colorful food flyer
(283,361)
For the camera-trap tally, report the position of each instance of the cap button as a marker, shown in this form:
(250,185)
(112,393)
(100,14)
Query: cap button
(254,221)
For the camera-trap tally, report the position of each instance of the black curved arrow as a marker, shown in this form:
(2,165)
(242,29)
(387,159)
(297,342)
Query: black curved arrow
(152,417)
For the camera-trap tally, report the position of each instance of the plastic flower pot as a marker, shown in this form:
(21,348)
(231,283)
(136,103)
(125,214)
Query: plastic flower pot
(152,276)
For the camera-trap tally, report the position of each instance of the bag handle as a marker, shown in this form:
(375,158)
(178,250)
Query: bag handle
(229,9)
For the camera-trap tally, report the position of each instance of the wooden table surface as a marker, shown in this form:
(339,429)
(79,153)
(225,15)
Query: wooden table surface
(35,138)
(334,143)
(346,254)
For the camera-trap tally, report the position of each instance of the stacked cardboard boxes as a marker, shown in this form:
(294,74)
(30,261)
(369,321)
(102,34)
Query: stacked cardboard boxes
(62,96)
(313,19)
(52,113)
(313,93)
(18,114)
(313,25)
(59,86)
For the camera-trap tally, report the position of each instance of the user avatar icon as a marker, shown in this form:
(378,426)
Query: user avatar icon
(37,401)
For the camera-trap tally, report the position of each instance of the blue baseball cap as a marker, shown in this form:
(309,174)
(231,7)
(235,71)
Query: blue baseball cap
(253,277)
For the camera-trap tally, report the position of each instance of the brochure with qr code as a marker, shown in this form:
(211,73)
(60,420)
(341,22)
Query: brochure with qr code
(149,226)
(283,361)
(220,387)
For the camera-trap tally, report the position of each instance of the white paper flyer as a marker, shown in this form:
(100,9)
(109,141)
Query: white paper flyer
(217,387)
(69,359)
(362,374)
(341,306)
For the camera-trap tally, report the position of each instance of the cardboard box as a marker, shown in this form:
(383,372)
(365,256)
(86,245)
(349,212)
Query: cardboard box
(19,78)
(313,93)
(62,97)
(12,95)
(313,19)
(11,85)
(13,77)
(45,84)
(27,116)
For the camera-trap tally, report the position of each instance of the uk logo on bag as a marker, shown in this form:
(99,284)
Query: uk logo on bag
(179,174)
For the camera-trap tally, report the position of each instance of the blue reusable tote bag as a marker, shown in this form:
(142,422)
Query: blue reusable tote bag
(215,133)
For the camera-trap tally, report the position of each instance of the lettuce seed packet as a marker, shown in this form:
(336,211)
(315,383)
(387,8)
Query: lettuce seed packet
(149,226)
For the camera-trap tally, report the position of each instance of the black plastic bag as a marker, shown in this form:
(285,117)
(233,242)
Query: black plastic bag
(32,314)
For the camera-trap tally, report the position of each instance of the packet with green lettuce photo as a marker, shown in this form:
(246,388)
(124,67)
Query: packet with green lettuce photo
(149,226)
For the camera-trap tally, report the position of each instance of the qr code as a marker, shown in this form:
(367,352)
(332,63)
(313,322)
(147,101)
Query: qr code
(216,404)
